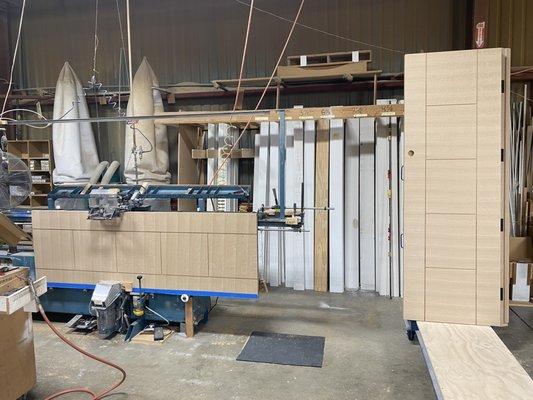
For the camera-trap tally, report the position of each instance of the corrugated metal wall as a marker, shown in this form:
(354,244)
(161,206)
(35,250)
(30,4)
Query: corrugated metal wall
(202,40)
(510,26)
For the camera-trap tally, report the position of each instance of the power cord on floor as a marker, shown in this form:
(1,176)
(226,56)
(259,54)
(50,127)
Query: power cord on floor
(213,306)
(94,396)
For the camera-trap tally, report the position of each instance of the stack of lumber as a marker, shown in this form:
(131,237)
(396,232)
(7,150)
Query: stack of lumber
(521,165)
(325,66)
(349,171)
(339,66)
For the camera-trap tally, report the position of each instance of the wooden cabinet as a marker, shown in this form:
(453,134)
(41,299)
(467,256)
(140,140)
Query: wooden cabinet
(455,201)
(37,155)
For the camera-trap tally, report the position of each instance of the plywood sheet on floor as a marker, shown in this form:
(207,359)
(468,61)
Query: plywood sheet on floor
(471,362)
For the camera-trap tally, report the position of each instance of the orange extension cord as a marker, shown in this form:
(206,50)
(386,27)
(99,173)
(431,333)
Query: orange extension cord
(94,396)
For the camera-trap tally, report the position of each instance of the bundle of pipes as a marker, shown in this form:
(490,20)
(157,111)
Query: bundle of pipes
(521,152)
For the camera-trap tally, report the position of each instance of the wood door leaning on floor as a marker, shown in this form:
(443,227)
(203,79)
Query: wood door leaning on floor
(455,208)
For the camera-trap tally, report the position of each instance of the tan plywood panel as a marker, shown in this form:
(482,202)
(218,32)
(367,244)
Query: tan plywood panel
(53,248)
(237,223)
(321,246)
(52,219)
(93,250)
(232,255)
(184,254)
(490,184)
(451,241)
(166,259)
(414,186)
(17,369)
(471,362)
(93,277)
(132,222)
(138,252)
(171,282)
(451,186)
(186,222)
(226,285)
(451,77)
(451,295)
(451,132)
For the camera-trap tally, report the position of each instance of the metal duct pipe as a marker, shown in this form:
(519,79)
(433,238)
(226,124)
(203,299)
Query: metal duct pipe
(113,167)
(95,177)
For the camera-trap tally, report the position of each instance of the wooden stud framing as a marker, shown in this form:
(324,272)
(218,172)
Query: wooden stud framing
(312,113)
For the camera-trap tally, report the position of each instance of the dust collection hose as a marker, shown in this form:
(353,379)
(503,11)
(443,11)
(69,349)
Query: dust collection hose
(94,396)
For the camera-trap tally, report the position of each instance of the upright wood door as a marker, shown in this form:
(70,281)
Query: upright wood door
(455,213)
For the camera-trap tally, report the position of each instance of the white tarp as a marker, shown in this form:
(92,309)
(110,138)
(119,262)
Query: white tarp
(152,165)
(75,155)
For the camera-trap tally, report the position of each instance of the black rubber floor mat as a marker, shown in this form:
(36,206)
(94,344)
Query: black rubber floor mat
(279,348)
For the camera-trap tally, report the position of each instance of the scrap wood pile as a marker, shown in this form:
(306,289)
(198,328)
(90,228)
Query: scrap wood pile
(521,165)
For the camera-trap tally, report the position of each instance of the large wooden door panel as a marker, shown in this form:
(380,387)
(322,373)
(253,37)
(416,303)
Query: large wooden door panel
(454,193)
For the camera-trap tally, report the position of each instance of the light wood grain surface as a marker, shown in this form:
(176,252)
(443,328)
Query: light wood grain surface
(415,187)
(471,362)
(321,200)
(490,189)
(451,132)
(173,250)
(454,198)
(451,77)
(451,241)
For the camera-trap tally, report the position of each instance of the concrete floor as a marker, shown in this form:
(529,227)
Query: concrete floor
(367,354)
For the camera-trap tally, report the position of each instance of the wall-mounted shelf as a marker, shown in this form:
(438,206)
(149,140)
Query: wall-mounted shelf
(37,155)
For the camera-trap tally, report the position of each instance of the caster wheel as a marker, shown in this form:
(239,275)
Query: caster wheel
(411,335)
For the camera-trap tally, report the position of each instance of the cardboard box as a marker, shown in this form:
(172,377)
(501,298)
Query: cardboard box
(521,249)
(521,268)
(17,365)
